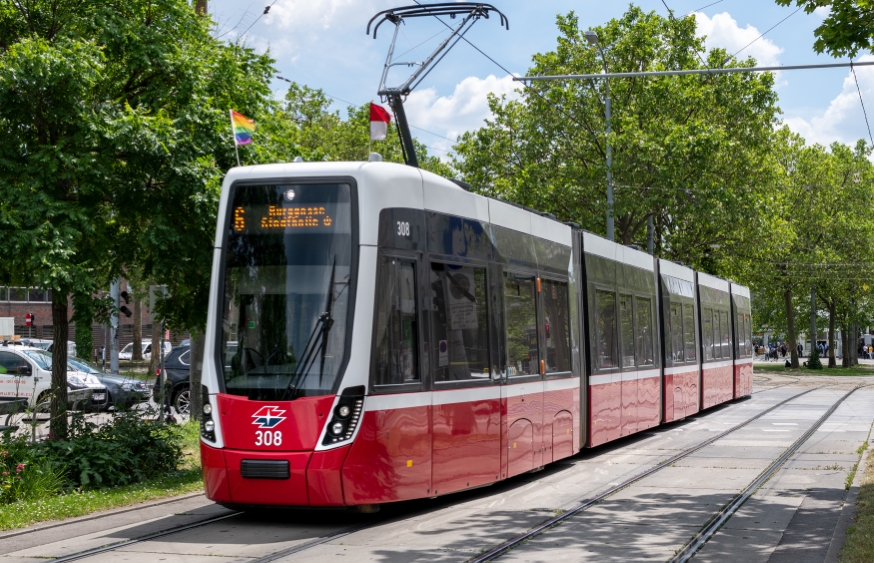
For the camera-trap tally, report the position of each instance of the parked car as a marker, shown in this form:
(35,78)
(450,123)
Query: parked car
(177,366)
(123,391)
(28,372)
(177,370)
(36,343)
(71,348)
(127,352)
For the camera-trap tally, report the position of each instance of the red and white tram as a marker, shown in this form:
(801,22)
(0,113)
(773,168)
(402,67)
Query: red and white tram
(378,333)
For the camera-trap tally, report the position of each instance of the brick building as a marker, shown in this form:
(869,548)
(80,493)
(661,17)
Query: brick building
(18,301)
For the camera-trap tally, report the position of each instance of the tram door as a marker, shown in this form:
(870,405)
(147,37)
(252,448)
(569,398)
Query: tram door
(465,405)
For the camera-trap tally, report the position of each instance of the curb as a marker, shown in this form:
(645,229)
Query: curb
(96,515)
(848,510)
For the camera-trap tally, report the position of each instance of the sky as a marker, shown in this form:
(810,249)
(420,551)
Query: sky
(323,44)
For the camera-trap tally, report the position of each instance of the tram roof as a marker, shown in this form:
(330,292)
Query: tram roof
(676,270)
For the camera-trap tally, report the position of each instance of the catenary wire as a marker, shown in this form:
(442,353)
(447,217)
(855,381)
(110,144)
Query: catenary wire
(865,113)
(702,8)
(769,29)
(264,13)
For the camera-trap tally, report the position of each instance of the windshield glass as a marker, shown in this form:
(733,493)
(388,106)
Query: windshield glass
(82,365)
(42,359)
(287,277)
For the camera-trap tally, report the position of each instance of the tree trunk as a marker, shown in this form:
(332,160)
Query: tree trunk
(849,345)
(60,331)
(790,326)
(138,327)
(831,336)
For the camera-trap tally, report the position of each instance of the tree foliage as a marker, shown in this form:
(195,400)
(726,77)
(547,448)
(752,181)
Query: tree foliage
(846,30)
(689,151)
(116,114)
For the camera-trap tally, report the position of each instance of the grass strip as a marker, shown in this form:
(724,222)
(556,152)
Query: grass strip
(860,370)
(27,512)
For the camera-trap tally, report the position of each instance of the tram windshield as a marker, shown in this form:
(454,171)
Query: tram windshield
(288,266)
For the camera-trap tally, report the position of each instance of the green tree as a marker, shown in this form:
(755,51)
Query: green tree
(118,111)
(691,152)
(846,30)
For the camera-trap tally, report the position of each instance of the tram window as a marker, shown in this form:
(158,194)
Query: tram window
(707,333)
(626,327)
(748,345)
(459,320)
(520,298)
(716,337)
(676,336)
(557,326)
(644,332)
(726,335)
(605,329)
(397,329)
(689,332)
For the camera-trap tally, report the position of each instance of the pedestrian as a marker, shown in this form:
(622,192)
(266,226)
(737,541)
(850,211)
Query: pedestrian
(800,350)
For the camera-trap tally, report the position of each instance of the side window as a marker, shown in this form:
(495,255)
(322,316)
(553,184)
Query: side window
(689,332)
(520,298)
(556,312)
(717,337)
(605,329)
(726,335)
(707,333)
(644,332)
(460,345)
(627,329)
(676,336)
(9,363)
(747,336)
(397,327)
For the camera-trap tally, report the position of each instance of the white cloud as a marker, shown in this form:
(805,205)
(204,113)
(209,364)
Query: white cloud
(843,120)
(324,14)
(723,31)
(823,11)
(464,110)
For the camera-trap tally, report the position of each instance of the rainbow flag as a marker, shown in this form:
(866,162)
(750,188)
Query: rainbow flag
(243,128)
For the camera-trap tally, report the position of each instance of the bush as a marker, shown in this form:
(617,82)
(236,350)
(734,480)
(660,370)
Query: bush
(27,480)
(126,450)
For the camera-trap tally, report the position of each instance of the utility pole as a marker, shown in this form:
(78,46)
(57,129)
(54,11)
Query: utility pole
(114,290)
(592,38)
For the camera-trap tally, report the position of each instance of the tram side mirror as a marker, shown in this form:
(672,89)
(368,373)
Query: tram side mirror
(25,369)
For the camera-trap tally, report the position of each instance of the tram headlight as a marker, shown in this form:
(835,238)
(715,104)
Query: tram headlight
(207,409)
(209,426)
(343,411)
(337,428)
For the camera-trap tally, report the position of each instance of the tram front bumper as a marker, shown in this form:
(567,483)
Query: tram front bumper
(273,478)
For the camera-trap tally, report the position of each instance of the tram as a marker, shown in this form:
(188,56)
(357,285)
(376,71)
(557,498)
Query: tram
(378,333)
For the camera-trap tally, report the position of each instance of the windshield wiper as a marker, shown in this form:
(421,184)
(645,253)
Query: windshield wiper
(318,340)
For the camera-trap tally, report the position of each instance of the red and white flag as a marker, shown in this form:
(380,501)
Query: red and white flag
(379,120)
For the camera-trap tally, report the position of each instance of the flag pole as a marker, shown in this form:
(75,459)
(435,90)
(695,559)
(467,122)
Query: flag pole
(234,136)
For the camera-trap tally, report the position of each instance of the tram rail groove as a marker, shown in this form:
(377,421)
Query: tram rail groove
(140,539)
(688,551)
(507,546)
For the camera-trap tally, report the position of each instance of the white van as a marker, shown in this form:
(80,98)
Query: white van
(26,373)
(127,352)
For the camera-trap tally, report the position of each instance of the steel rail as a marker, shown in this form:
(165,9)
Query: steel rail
(500,550)
(318,541)
(653,73)
(698,540)
(132,541)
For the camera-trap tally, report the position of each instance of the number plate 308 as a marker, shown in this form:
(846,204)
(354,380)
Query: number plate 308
(268,438)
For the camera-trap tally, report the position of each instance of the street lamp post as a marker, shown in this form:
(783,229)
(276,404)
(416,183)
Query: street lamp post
(592,38)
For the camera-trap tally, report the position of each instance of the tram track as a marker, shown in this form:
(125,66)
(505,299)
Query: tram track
(688,551)
(488,556)
(509,545)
